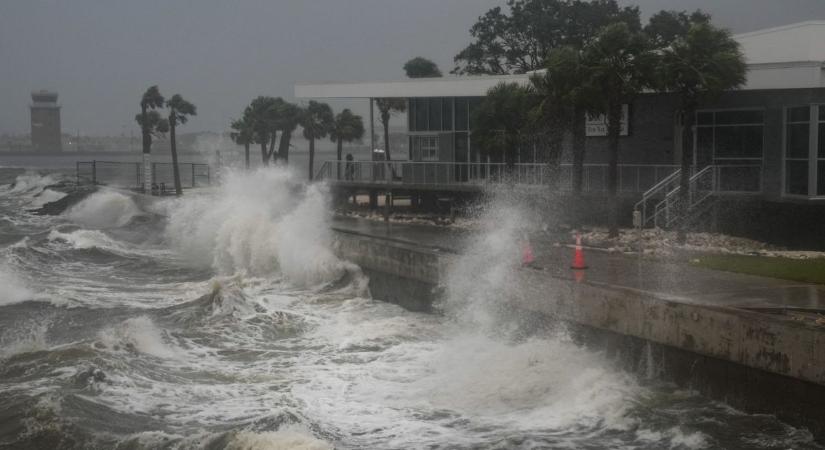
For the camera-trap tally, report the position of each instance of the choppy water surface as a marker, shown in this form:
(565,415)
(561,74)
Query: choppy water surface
(223,320)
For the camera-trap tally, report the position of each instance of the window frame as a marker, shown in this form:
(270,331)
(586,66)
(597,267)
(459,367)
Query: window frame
(715,125)
(815,120)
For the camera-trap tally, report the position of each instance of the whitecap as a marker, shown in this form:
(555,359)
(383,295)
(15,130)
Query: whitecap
(104,209)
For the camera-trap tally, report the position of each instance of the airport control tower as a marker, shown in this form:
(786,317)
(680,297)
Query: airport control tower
(45,115)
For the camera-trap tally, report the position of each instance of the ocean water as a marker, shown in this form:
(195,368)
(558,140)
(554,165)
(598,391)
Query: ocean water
(224,320)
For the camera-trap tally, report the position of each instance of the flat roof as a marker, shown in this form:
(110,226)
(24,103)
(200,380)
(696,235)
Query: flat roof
(785,57)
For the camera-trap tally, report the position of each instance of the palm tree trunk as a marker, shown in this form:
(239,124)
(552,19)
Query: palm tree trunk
(246,154)
(614,117)
(386,124)
(684,178)
(271,152)
(283,146)
(264,159)
(579,140)
(338,159)
(174,146)
(311,156)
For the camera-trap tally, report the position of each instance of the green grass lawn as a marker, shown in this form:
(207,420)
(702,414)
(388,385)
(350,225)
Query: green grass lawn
(807,270)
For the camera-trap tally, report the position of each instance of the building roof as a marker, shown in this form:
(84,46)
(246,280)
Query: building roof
(786,57)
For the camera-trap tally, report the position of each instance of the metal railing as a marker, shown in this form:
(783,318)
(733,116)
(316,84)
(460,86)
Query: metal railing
(632,178)
(703,187)
(130,174)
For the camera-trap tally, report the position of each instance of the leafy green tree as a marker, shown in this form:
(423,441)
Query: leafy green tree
(243,134)
(348,127)
(179,112)
(519,42)
(419,67)
(387,107)
(500,119)
(260,115)
(665,27)
(563,95)
(317,121)
(620,64)
(698,66)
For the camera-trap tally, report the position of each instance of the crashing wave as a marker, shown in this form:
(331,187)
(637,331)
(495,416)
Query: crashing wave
(12,289)
(104,209)
(259,223)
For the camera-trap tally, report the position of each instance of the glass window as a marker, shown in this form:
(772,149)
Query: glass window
(738,142)
(420,114)
(739,117)
(821,144)
(434,104)
(461,114)
(447,114)
(796,177)
(428,146)
(704,118)
(799,114)
(820,178)
(798,140)
(472,106)
(411,115)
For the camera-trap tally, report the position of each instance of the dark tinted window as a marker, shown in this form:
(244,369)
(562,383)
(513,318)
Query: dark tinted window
(421,114)
(704,118)
(738,117)
(738,142)
(461,114)
(411,115)
(435,113)
(797,140)
(796,177)
(447,114)
(800,114)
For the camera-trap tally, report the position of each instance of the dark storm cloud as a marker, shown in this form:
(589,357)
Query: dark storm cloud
(100,55)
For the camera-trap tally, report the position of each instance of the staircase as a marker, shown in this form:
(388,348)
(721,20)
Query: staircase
(666,194)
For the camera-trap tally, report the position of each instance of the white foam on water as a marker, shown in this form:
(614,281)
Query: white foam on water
(26,340)
(47,196)
(30,184)
(291,437)
(104,209)
(258,223)
(140,334)
(12,288)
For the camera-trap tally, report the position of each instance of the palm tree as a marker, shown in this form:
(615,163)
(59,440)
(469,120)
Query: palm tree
(287,118)
(386,108)
(619,63)
(347,127)
(317,121)
(698,67)
(500,118)
(260,114)
(243,134)
(179,112)
(151,124)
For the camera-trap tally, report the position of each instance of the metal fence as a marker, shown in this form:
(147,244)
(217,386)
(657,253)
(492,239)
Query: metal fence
(632,178)
(130,175)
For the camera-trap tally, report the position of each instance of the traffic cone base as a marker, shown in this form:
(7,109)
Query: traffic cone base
(578,256)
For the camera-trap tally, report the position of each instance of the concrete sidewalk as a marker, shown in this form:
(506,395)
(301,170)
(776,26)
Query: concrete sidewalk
(662,279)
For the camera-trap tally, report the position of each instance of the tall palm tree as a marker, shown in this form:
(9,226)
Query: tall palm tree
(260,114)
(317,121)
(243,134)
(151,124)
(347,127)
(179,112)
(619,64)
(698,67)
(499,120)
(287,118)
(387,107)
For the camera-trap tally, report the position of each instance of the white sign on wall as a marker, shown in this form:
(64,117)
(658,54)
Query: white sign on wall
(597,125)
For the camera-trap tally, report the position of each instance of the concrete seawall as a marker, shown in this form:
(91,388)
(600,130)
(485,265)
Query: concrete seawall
(758,362)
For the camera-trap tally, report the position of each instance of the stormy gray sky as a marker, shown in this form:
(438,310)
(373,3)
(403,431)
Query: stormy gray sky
(101,55)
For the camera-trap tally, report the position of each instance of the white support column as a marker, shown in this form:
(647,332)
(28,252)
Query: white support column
(372,130)
(147,173)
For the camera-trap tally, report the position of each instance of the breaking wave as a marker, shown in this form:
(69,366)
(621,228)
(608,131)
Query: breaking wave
(258,223)
(104,209)
(12,289)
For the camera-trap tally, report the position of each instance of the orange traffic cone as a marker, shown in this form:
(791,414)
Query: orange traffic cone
(527,257)
(578,257)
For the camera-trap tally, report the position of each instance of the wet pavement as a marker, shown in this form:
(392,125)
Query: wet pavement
(660,278)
